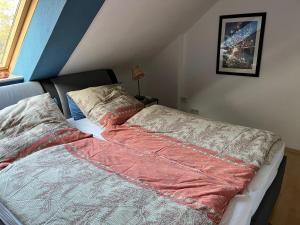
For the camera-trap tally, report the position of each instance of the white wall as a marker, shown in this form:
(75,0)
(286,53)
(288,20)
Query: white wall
(270,102)
(161,74)
(186,67)
(125,31)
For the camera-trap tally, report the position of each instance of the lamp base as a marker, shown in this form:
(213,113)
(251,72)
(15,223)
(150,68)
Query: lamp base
(139,97)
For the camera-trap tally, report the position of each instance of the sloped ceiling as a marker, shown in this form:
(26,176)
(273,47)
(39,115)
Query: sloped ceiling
(126,31)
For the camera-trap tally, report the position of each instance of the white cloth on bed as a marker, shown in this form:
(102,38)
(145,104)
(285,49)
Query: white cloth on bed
(85,125)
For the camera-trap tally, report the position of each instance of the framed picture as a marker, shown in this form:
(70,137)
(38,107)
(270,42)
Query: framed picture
(240,44)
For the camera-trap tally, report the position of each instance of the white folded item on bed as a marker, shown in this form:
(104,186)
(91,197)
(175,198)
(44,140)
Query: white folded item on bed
(242,207)
(86,126)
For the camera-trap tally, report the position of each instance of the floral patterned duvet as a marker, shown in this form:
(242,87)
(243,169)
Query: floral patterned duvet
(248,144)
(56,186)
(161,167)
(30,125)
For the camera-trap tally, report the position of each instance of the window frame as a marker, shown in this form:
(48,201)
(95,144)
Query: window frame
(22,19)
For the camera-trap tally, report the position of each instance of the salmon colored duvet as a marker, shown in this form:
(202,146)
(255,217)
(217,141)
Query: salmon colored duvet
(138,176)
(184,173)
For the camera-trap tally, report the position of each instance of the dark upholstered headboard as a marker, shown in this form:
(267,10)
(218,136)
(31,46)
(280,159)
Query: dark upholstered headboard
(59,86)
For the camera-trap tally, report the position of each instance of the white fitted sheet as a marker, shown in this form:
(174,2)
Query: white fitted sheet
(242,207)
(86,126)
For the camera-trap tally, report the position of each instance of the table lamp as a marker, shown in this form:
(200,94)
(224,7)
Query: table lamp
(137,74)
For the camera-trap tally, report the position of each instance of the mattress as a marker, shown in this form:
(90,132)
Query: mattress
(242,207)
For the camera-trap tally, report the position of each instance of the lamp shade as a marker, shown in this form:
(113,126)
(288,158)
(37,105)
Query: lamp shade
(137,73)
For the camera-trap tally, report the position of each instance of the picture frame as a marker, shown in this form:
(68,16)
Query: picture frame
(240,44)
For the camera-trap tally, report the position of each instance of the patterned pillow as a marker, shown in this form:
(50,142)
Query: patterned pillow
(30,125)
(107,105)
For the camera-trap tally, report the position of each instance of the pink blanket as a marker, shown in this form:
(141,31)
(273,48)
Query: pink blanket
(187,174)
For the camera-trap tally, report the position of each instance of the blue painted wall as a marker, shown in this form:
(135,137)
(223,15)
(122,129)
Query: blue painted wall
(55,30)
(39,32)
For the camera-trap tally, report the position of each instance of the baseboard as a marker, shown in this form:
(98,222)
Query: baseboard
(292,151)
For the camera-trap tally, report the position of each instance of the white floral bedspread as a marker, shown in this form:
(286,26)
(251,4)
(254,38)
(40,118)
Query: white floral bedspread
(248,144)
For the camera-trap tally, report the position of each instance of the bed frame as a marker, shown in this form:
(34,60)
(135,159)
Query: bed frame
(59,86)
(264,211)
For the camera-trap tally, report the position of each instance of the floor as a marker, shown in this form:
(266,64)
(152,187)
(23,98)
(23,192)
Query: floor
(287,209)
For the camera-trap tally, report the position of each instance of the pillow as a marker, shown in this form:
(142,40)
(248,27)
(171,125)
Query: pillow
(30,125)
(76,113)
(107,105)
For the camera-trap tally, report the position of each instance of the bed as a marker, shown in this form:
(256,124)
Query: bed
(243,207)
(255,206)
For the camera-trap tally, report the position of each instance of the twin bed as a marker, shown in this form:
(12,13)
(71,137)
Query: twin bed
(145,171)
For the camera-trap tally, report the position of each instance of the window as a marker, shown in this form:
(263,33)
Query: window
(13,17)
